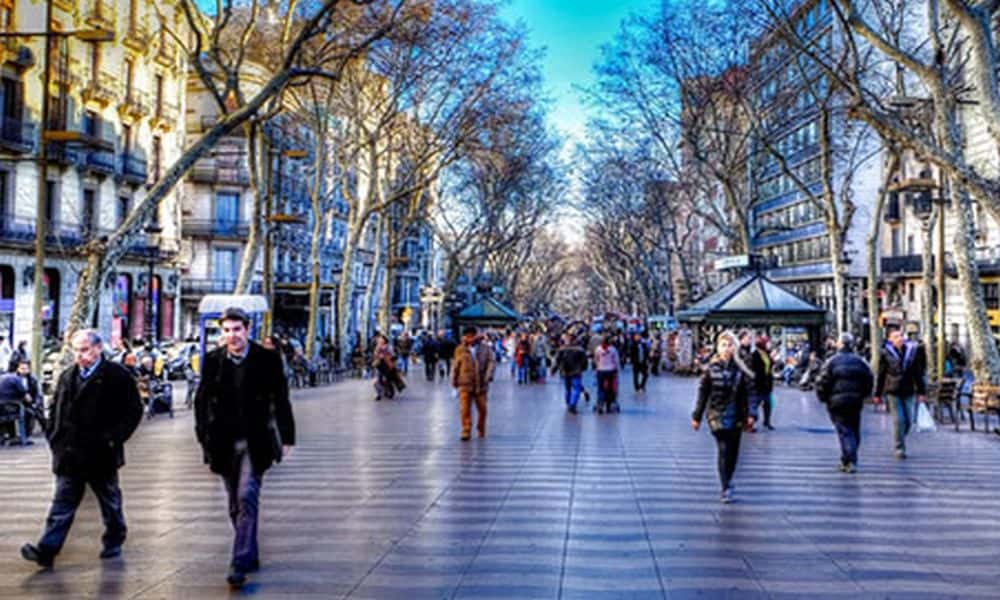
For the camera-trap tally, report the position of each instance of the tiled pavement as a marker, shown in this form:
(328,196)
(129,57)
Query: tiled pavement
(381,500)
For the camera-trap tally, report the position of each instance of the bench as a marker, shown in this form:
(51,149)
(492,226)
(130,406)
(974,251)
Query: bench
(944,396)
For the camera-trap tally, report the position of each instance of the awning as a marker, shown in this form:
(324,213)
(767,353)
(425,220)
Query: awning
(753,299)
(488,312)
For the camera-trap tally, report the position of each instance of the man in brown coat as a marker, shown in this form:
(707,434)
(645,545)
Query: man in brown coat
(471,374)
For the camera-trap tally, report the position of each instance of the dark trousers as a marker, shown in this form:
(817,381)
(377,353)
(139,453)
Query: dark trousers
(606,387)
(640,373)
(243,490)
(67,497)
(848,426)
(727,442)
(430,366)
(758,400)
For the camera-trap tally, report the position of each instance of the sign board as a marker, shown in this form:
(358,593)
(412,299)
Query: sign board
(741,261)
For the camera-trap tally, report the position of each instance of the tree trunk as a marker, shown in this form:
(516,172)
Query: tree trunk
(837,267)
(315,278)
(874,328)
(258,164)
(385,293)
(366,301)
(345,293)
(927,295)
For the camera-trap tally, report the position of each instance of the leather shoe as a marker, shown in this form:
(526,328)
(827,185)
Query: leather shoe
(465,437)
(32,553)
(236,578)
(111,552)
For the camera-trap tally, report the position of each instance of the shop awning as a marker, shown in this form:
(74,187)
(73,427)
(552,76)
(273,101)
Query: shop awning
(753,299)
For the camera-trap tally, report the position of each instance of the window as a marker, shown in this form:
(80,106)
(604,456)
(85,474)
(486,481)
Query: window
(227,210)
(11,103)
(157,156)
(896,242)
(122,209)
(224,267)
(912,292)
(5,189)
(88,220)
(128,78)
(51,203)
(90,123)
(910,245)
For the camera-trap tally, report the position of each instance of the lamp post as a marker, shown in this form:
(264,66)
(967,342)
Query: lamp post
(153,231)
(86,35)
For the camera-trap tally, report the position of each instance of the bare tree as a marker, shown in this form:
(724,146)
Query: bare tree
(319,45)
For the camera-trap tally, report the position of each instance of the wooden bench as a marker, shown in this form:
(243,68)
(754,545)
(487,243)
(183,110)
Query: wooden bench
(985,400)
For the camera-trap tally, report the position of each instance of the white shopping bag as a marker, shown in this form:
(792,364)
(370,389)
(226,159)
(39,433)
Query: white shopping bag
(925,422)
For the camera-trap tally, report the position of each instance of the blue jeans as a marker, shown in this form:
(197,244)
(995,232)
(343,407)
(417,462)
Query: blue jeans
(243,490)
(904,414)
(522,372)
(848,426)
(574,385)
(68,494)
(404,363)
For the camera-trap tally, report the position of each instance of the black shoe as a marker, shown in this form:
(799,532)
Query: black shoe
(572,410)
(253,568)
(236,578)
(465,438)
(32,553)
(769,426)
(111,552)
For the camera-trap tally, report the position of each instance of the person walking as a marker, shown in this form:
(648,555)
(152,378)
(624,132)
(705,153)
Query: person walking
(387,378)
(844,381)
(446,352)
(723,394)
(95,410)
(571,362)
(639,357)
(902,379)
(244,423)
(762,385)
(429,354)
(607,364)
(404,345)
(34,402)
(522,357)
(471,374)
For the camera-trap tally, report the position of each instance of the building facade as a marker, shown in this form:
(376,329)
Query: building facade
(113,107)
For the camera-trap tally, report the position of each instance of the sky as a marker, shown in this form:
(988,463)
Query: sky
(572,32)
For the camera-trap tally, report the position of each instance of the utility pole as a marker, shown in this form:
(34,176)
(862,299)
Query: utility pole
(41,226)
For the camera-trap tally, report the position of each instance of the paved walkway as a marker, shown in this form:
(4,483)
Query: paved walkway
(381,500)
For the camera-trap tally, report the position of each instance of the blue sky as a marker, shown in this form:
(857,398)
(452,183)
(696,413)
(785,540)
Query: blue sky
(572,31)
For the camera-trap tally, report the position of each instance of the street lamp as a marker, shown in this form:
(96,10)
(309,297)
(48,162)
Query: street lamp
(86,35)
(153,241)
(919,194)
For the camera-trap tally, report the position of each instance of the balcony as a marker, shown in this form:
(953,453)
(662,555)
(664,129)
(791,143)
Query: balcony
(102,90)
(101,15)
(910,264)
(137,36)
(988,260)
(202,287)
(132,168)
(22,232)
(214,174)
(16,135)
(135,106)
(215,229)
(98,161)
(59,153)
(166,116)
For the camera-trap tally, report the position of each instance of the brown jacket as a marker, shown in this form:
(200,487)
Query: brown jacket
(473,375)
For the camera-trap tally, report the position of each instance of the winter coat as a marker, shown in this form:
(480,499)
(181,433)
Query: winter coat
(470,374)
(92,419)
(639,353)
(763,372)
(902,373)
(723,393)
(844,382)
(429,350)
(264,395)
(570,361)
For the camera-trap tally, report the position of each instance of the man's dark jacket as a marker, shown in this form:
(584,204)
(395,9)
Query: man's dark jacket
(899,376)
(570,361)
(92,419)
(844,382)
(264,393)
(639,359)
(763,372)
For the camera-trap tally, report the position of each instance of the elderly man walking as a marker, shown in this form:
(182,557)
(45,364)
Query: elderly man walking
(244,422)
(471,375)
(843,384)
(96,408)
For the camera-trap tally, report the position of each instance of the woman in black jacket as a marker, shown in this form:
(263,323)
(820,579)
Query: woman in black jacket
(723,393)
(762,385)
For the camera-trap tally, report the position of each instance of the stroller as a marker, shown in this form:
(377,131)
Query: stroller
(607,394)
(158,395)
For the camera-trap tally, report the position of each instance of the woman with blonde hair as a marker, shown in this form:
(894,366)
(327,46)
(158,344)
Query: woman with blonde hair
(723,393)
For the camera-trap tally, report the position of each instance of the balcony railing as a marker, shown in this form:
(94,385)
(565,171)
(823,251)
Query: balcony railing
(99,161)
(22,231)
(201,287)
(101,15)
(910,264)
(133,168)
(17,135)
(210,173)
(135,105)
(215,228)
(102,89)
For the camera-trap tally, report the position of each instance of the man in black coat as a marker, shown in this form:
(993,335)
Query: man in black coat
(639,351)
(244,423)
(429,352)
(843,384)
(96,408)
(902,380)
